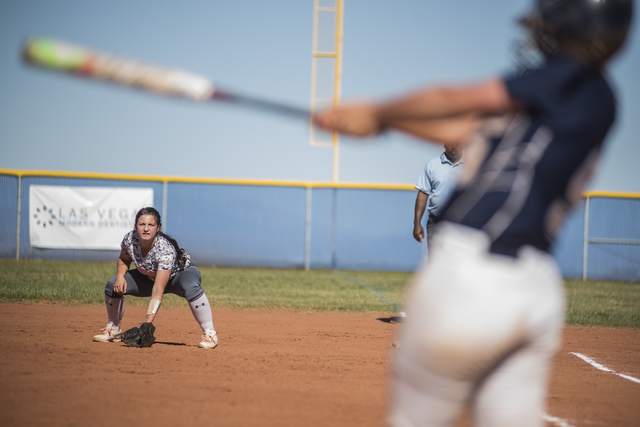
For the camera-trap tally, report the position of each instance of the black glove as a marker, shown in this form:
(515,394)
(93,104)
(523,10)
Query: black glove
(140,337)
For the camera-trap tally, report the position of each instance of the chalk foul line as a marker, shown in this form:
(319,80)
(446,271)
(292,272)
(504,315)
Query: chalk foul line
(604,368)
(377,293)
(555,420)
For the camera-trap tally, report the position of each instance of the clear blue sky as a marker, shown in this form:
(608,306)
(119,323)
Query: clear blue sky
(54,122)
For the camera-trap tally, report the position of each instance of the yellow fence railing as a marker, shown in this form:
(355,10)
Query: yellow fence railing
(223,181)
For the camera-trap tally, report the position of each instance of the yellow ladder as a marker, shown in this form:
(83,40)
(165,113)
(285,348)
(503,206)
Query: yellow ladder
(326,64)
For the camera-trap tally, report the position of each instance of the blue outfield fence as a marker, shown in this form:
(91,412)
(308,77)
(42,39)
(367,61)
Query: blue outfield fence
(315,225)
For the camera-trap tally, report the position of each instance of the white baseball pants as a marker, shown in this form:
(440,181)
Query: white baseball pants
(481,330)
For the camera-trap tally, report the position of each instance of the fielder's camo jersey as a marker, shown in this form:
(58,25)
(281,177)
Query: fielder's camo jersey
(162,256)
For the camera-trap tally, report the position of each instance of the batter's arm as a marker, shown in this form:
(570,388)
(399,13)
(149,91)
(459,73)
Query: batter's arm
(420,207)
(438,113)
(489,97)
(450,130)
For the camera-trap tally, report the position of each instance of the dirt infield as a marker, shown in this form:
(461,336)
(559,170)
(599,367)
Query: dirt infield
(270,369)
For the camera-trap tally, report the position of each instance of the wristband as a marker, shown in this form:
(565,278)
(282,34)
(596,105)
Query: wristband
(154,305)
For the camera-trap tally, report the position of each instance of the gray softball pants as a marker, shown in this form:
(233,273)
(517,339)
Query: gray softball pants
(186,284)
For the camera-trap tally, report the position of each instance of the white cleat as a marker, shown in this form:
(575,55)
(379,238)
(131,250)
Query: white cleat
(108,335)
(209,341)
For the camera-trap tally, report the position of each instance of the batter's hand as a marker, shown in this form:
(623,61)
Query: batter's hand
(418,232)
(120,286)
(359,120)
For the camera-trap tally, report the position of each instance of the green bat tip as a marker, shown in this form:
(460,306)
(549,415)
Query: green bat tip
(52,54)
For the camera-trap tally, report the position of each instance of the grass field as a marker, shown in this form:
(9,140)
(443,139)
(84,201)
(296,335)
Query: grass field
(588,303)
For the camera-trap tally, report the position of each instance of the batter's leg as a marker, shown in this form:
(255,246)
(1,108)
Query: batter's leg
(514,394)
(425,399)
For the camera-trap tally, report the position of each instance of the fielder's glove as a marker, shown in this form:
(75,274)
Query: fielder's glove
(140,337)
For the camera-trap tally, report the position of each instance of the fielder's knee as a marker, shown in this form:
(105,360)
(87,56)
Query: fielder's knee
(108,289)
(190,282)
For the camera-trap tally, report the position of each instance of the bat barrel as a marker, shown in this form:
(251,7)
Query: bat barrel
(68,58)
(60,56)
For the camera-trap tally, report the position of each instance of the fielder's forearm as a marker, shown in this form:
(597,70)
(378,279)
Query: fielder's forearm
(162,279)
(152,311)
(122,266)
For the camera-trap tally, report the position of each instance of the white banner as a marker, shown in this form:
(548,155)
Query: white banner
(83,217)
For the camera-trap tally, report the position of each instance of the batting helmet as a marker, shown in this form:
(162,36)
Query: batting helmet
(591,30)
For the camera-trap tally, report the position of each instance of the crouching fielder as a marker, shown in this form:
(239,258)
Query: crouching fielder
(161,267)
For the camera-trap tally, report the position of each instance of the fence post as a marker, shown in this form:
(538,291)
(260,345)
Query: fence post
(334,218)
(165,192)
(19,214)
(585,240)
(307,231)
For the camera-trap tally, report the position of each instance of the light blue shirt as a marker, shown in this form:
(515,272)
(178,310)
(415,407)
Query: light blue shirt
(438,180)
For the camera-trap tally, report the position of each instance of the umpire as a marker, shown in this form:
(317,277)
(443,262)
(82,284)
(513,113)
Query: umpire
(435,185)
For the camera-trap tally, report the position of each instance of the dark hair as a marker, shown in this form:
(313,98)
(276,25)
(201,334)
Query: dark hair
(591,31)
(156,215)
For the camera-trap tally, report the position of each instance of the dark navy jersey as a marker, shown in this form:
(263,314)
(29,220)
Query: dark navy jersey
(535,163)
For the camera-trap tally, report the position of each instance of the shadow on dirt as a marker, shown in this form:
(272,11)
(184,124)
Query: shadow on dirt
(169,343)
(393,319)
